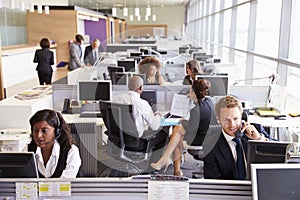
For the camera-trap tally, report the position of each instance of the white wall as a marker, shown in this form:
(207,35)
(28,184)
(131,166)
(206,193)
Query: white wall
(172,16)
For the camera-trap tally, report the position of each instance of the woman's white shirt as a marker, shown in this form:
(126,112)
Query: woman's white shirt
(72,166)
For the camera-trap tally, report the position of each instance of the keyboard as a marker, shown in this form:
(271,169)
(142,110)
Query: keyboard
(90,115)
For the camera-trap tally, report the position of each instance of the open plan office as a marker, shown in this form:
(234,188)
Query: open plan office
(243,50)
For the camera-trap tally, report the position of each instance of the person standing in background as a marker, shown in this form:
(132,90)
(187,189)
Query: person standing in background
(45,58)
(76,53)
(91,53)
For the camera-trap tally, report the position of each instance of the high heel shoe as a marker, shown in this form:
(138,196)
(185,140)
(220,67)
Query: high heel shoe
(178,173)
(161,163)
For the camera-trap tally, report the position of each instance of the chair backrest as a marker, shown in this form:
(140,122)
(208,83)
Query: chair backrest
(85,136)
(119,121)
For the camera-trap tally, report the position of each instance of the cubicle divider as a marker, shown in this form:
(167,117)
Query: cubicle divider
(127,188)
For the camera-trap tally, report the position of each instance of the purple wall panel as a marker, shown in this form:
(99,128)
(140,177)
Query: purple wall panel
(96,30)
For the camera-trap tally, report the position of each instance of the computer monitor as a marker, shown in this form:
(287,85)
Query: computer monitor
(275,181)
(143,76)
(119,78)
(18,165)
(200,57)
(219,84)
(112,70)
(150,96)
(196,54)
(265,152)
(182,50)
(128,64)
(94,90)
(134,54)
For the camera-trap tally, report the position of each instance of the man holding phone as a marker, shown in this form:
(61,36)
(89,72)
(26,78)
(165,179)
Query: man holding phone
(227,159)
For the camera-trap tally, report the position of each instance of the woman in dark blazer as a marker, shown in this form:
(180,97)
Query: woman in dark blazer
(45,58)
(193,130)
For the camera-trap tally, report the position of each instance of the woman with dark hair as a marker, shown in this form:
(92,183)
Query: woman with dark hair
(151,66)
(192,69)
(193,130)
(44,57)
(56,154)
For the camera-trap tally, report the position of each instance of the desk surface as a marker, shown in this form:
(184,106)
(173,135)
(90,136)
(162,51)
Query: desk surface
(271,122)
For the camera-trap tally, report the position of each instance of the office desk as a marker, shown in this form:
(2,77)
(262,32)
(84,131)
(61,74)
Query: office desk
(127,189)
(275,124)
(15,113)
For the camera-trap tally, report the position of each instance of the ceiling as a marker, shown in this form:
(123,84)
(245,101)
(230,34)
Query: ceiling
(108,4)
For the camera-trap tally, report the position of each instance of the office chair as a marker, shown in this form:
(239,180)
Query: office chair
(199,152)
(85,137)
(123,142)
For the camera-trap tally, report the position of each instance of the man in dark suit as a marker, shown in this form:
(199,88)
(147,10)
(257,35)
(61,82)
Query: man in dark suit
(223,161)
(91,53)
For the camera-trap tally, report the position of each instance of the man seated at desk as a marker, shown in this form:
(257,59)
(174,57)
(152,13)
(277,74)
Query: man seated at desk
(227,159)
(143,114)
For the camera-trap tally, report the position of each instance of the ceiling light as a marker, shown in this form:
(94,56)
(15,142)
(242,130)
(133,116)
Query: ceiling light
(137,12)
(125,12)
(40,9)
(154,18)
(114,11)
(148,11)
(47,12)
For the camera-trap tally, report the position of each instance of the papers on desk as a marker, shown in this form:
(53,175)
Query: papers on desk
(34,93)
(180,106)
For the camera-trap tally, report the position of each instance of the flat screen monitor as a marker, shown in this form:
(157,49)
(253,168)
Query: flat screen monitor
(183,49)
(143,76)
(275,181)
(265,152)
(112,70)
(18,165)
(128,64)
(195,54)
(202,57)
(94,90)
(119,78)
(219,84)
(134,54)
(150,96)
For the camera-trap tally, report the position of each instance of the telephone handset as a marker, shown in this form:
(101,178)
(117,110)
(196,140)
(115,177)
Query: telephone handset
(244,119)
(66,107)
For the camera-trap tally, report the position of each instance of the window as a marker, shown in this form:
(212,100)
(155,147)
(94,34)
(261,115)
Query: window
(263,68)
(242,27)
(295,33)
(267,27)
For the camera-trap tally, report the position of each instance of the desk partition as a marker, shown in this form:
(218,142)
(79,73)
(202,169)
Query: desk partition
(126,188)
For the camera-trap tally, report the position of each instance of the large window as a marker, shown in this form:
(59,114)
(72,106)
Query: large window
(294,54)
(292,99)
(242,27)
(227,23)
(263,69)
(267,27)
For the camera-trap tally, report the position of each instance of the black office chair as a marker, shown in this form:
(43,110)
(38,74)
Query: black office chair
(123,142)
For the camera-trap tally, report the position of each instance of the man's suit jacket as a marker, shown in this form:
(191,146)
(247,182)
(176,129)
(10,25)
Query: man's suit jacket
(219,162)
(88,54)
(75,56)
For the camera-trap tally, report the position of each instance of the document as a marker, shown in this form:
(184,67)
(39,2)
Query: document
(180,105)
(168,190)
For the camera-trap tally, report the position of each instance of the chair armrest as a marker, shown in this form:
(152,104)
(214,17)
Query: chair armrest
(149,135)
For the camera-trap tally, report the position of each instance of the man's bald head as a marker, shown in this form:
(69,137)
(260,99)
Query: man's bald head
(135,82)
